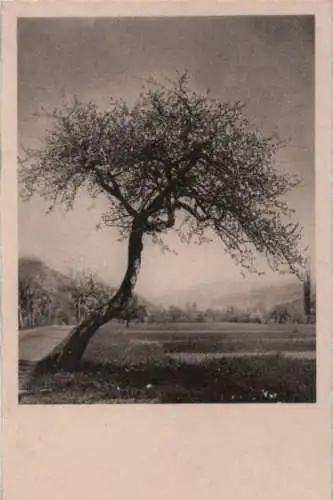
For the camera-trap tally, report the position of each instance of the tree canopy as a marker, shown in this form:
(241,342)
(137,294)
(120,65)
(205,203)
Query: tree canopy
(174,151)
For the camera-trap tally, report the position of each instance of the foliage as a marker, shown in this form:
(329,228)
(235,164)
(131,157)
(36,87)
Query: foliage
(175,152)
(34,304)
(309,298)
(291,313)
(87,293)
(281,313)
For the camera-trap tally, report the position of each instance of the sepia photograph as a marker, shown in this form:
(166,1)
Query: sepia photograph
(166,210)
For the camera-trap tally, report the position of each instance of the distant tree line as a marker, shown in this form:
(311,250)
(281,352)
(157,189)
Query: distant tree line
(73,301)
(282,313)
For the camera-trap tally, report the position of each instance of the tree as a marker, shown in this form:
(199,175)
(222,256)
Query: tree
(314,308)
(175,314)
(175,159)
(87,293)
(34,303)
(280,314)
(26,294)
(307,296)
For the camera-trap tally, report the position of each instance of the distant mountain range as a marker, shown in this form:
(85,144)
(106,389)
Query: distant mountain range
(242,296)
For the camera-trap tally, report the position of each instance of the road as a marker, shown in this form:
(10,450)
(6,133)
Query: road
(35,344)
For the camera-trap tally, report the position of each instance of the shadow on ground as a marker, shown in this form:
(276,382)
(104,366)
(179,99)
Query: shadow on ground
(256,379)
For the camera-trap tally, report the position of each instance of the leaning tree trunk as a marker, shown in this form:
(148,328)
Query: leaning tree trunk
(69,353)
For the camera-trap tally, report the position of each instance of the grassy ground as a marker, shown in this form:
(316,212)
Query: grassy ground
(188,364)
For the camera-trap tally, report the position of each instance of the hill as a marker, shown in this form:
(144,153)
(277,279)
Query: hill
(53,281)
(242,296)
(32,269)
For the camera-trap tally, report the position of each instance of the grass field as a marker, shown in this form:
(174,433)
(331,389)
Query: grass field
(184,363)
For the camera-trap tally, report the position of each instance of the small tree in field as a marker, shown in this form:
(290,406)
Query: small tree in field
(87,292)
(175,159)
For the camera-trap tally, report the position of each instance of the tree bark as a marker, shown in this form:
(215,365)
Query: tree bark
(69,353)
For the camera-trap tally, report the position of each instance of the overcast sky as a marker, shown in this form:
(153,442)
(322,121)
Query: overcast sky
(266,62)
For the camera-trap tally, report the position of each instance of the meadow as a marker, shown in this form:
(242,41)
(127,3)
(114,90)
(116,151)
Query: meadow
(188,363)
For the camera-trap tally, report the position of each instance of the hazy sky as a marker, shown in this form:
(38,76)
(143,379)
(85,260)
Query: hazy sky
(266,62)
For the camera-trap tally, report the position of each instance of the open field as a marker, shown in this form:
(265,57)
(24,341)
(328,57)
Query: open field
(168,363)
(192,341)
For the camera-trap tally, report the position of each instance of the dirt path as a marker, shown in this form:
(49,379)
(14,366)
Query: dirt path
(35,344)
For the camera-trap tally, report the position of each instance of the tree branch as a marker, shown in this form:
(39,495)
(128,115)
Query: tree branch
(191,157)
(115,191)
(193,211)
